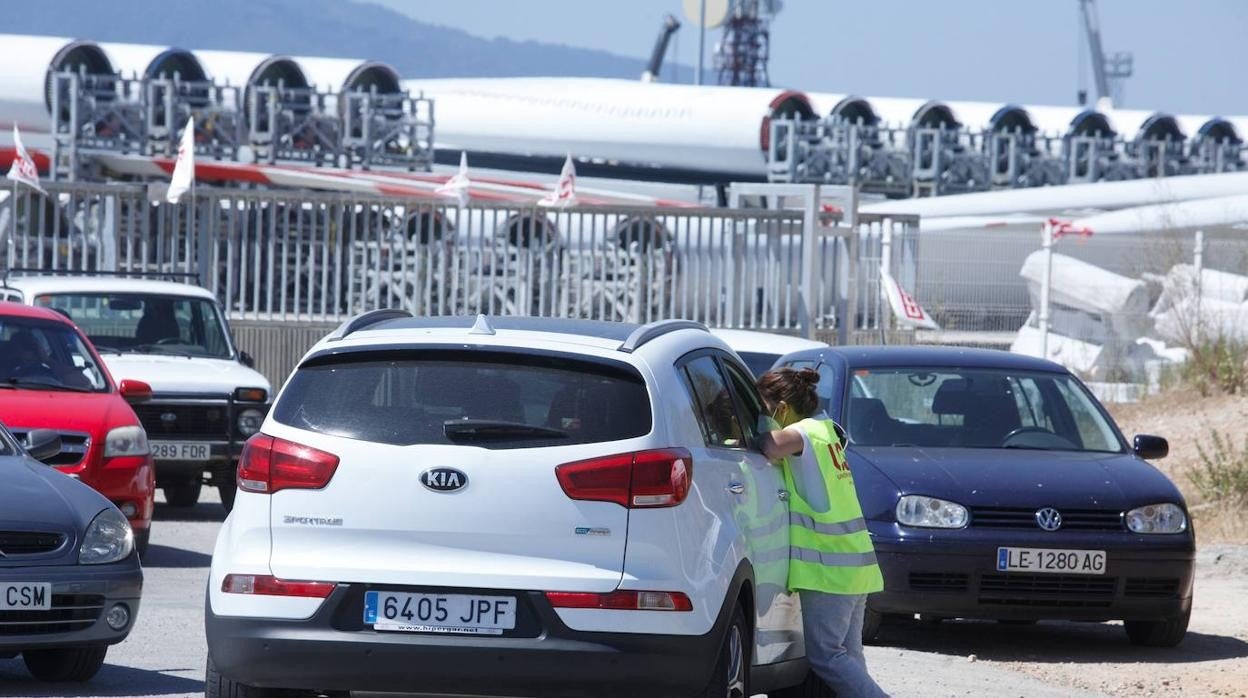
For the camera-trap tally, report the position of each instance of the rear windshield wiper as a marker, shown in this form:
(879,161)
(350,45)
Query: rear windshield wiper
(493,429)
(31,382)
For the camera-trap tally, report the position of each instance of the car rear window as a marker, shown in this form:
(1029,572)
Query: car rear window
(494,400)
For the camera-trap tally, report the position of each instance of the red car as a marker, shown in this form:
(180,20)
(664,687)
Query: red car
(52,378)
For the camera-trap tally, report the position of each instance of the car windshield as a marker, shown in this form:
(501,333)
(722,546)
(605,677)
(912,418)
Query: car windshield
(758,363)
(473,398)
(45,355)
(975,408)
(145,323)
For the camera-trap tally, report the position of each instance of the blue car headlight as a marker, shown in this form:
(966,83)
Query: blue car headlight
(930,512)
(1157,518)
(108,539)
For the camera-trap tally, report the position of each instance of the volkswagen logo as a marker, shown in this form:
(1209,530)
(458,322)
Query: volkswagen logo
(169,417)
(1049,519)
(444,479)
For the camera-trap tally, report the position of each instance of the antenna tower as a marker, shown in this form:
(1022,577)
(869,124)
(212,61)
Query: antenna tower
(741,56)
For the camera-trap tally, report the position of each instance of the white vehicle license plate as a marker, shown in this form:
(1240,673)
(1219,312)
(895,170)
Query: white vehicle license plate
(439,613)
(179,450)
(26,596)
(1047,560)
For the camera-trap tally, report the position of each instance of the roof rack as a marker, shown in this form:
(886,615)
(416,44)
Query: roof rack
(654,330)
(366,320)
(89,272)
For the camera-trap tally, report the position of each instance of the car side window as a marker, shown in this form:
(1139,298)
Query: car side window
(749,402)
(712,399)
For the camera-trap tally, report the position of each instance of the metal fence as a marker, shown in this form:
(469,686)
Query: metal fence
(301,257)
(1122,307)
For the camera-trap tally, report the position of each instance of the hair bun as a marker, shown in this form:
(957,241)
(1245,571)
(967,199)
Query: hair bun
(808,375)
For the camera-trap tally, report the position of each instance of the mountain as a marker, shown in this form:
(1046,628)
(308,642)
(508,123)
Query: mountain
(315,28)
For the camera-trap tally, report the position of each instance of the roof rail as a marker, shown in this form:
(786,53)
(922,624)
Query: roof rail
(654,330)
(366,320)
(90,272)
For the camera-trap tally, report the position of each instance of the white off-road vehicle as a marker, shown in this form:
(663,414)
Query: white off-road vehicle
(206,397)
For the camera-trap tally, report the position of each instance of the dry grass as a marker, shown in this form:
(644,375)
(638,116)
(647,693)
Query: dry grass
(1187,419)
(1220,522)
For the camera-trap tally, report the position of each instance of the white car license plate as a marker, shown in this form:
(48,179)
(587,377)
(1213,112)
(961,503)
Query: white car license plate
(1048,560)
(439,613)
(26,596)
(179,450)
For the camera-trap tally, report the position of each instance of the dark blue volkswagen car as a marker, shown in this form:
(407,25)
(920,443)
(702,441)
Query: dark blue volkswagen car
(996,486)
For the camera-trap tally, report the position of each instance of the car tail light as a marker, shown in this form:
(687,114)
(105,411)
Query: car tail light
(264,585)
(622,600)
(641,480)
(270,465)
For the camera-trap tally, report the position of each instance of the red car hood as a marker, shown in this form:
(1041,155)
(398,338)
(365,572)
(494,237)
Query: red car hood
(90,413)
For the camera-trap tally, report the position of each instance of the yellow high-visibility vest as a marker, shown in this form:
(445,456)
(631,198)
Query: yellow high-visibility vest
(829,551)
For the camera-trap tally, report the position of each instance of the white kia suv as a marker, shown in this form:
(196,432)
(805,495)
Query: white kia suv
(508,506)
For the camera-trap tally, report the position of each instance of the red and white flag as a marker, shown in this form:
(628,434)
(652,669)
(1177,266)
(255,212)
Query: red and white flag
(184,168)
(565,191)
(23,169)
(457,186)
(906,309)
(1062,228)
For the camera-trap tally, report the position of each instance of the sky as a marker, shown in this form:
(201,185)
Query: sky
(1189,54)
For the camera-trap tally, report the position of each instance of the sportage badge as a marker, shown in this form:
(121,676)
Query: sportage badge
(444,479)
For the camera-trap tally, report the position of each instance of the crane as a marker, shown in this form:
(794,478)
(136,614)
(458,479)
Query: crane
(1118,66)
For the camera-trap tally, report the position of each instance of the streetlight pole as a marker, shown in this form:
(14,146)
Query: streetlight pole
(701,39)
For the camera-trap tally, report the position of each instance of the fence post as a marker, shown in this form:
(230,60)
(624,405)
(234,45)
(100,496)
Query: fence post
(1198,261)
(109,234)
(886,263)
(1046,244)
(806,300)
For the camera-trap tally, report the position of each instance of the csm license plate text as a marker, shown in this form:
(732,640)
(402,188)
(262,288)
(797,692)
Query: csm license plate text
(26,596)
(1045,560)
(439,613)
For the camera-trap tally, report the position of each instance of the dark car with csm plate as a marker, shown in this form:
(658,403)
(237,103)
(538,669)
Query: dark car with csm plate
(70,580)
(996,486)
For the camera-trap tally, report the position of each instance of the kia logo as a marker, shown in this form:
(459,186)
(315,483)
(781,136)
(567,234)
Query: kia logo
(169,417)
(1049,519)
(444,479)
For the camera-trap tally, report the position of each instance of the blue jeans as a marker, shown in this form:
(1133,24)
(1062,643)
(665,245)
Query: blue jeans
(832,624)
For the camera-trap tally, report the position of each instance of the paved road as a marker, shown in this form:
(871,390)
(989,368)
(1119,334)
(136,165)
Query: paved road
(164,656)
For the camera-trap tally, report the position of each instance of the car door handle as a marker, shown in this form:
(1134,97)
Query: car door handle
(783,495)
(736,488)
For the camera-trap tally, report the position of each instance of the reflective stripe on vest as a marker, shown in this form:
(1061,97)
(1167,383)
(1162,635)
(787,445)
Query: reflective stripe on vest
(833,529)
(830,551)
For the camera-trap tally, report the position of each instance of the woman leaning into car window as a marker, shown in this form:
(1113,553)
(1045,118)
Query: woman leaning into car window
(832,563)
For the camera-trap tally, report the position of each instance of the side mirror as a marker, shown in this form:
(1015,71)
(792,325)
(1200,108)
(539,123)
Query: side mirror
(43,444)
(1151,447)
(246,359)
(135,392)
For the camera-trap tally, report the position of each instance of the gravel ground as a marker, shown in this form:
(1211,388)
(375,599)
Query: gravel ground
(164,656)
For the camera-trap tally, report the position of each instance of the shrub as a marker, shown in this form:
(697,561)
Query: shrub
(1222,473)
(1216,365)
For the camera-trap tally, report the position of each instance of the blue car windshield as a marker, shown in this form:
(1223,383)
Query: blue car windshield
(975,408)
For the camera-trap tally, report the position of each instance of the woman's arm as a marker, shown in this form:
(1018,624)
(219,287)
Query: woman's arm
(780,443)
